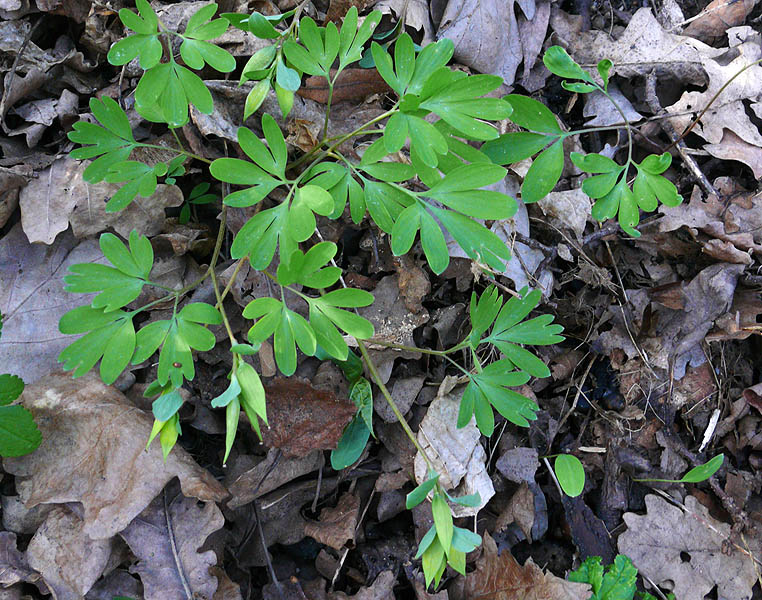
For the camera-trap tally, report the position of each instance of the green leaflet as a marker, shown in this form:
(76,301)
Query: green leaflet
(289,329)
(617,583)
(570,474)
(118,285)
(18,431)
(176,337)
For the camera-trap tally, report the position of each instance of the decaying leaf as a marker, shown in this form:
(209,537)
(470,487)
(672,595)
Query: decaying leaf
(682,550)
(14,566)
(391,318)
(728,112)
(59,195)
(93,451)
(500,577)
(267,476)
(336,526)
(717,17)
(457,455)
(643,47)
(32,300)
(486,34)
(303,418)
(415,14)
(68,560)
(166,538)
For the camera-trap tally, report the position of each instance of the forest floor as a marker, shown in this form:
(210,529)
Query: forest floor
(660,370)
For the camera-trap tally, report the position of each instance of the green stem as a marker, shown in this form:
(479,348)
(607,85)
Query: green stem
(392,404)
(328,108)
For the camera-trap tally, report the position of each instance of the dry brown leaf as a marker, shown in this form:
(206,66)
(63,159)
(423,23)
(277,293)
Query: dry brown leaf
(717,16)
(382,588)
(643,47)
(569,209)
(456,453)
(413,281)
(336,526)
(337,9)
(393,321)
(658,541)
(738,222)
(14,567)
(728,112)
(732,147)
(743,319)
(500,577)
(519,510)
(352,84)
(32,300)
(303,418)
(415,14)
(264,477)
(486,34)
(93,452)
(59,195)
(68,560)
(166,538)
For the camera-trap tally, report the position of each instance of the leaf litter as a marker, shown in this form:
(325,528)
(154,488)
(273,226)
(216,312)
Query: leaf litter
(665,329)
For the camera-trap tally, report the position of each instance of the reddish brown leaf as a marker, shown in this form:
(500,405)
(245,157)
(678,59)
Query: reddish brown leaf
(500,577)
(303,418)
(337,525)
(352,84)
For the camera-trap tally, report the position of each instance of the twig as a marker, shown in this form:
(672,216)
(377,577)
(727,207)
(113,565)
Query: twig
(173,546)
(677,141)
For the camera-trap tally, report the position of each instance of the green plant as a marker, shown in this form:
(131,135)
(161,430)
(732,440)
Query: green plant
(616,583)
(18,431)
(696,474)
(454,158)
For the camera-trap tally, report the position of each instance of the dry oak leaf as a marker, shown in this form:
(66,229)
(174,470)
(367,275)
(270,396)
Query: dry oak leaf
(728,113)
(657,542)
(303,418)
(68,560)
(337,525)
(500,577)
(93,451)
(643,47)
(166,538)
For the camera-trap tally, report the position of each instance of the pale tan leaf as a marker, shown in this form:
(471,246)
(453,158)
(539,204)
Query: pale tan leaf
(32,300)
(486,34)
(456,453)
(166,538)
(658,541)
(93,452)
(69,561)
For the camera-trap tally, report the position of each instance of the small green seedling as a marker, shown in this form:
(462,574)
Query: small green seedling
(570,474)
(696,474)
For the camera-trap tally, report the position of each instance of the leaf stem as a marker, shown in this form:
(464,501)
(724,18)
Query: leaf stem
(392,404)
